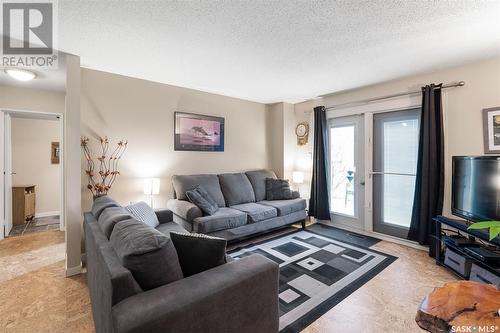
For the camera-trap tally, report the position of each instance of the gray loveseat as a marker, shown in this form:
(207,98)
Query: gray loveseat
(239,296)
(243,208)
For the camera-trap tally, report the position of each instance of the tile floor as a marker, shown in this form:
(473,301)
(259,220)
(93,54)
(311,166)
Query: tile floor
(38,224)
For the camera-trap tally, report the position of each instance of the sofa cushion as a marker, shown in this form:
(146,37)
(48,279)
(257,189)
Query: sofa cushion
(258,180)
(224,218)
(199,197)
(237,188)
(111,216)
(147,253)
(257,212)
(101,203)
(142,212)
(286,207)
(210,183)
(198,252)
(278,189)
(167,228)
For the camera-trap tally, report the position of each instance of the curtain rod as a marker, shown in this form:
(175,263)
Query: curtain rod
(408,93)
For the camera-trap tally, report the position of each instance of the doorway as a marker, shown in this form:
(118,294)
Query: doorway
(32,167)
(395,153)
(347,170)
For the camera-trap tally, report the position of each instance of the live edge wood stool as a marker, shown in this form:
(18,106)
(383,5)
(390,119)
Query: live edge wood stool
(463,306)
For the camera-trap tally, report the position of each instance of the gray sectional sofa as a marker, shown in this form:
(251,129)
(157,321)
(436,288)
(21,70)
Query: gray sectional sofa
(239,296)
(243,208)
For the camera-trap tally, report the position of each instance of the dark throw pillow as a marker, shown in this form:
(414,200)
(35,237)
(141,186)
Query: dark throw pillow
(147,253)
(198,252)
(101,203)
(278,189)
(199,197)
(111,216)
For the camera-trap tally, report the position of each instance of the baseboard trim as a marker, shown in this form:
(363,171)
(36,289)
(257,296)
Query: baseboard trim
(71,271)
(379,236)
(46,214)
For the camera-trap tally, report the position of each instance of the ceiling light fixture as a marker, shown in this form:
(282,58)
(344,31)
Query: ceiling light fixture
(20,74)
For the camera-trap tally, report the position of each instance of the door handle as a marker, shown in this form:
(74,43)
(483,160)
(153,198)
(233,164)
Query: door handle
(13,173)
(362,183)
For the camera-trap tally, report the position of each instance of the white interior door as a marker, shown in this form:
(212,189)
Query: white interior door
(347,170)
(7,173)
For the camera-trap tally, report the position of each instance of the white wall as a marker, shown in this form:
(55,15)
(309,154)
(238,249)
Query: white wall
(143,113)
(31,162)
(462,107)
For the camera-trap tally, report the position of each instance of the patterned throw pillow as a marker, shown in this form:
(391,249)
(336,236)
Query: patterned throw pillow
(198,252)
(278,189)
(199,197)
(142,212)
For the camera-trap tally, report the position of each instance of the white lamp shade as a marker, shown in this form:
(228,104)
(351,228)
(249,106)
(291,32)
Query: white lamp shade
(152,186)
(298,177)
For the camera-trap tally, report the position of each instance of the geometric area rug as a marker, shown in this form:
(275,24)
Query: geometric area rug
(316,273)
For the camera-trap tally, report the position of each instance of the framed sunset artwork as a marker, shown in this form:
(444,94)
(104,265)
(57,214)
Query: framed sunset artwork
(197,132)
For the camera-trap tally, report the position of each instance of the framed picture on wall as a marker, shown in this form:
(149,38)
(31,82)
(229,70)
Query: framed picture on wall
(196,132)
(491,130)
(54,153)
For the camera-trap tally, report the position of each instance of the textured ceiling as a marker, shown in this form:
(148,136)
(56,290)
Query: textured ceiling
(54,79)
(270,51)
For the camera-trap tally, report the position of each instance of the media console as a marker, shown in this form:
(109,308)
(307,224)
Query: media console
(466,256)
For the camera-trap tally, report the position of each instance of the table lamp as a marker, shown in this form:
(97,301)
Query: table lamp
(151,187)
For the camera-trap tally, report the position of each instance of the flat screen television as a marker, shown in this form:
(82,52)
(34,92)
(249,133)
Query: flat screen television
(476,187)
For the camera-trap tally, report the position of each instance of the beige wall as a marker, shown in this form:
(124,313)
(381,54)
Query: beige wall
(143,113)
(72,159)
(31,146)
(281,137)
(31,99)
(462,107)
(275,138)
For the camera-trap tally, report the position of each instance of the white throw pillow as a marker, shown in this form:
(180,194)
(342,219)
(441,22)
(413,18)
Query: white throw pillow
(142,212)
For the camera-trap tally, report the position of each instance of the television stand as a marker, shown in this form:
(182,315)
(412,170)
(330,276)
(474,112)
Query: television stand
(478,237)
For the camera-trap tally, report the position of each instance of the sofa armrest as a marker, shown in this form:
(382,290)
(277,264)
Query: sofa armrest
(240,296)
(164,215)
(184,209)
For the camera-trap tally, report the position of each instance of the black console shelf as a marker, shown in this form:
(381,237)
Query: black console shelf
(461,226)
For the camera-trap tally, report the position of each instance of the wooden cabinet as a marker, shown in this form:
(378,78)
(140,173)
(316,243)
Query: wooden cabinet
(23,203)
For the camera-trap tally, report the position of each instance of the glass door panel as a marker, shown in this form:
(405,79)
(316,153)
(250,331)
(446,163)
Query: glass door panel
(343,169)
(395,152)
(346,162)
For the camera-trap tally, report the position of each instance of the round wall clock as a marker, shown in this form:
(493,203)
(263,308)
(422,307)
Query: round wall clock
(302,132)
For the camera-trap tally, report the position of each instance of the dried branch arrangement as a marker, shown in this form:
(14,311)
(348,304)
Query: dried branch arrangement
(99,182)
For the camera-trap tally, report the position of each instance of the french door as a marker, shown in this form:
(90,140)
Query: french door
(347,170)
(395,152)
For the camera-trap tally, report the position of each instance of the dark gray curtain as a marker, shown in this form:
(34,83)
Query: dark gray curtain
(429,184)
(319,203)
